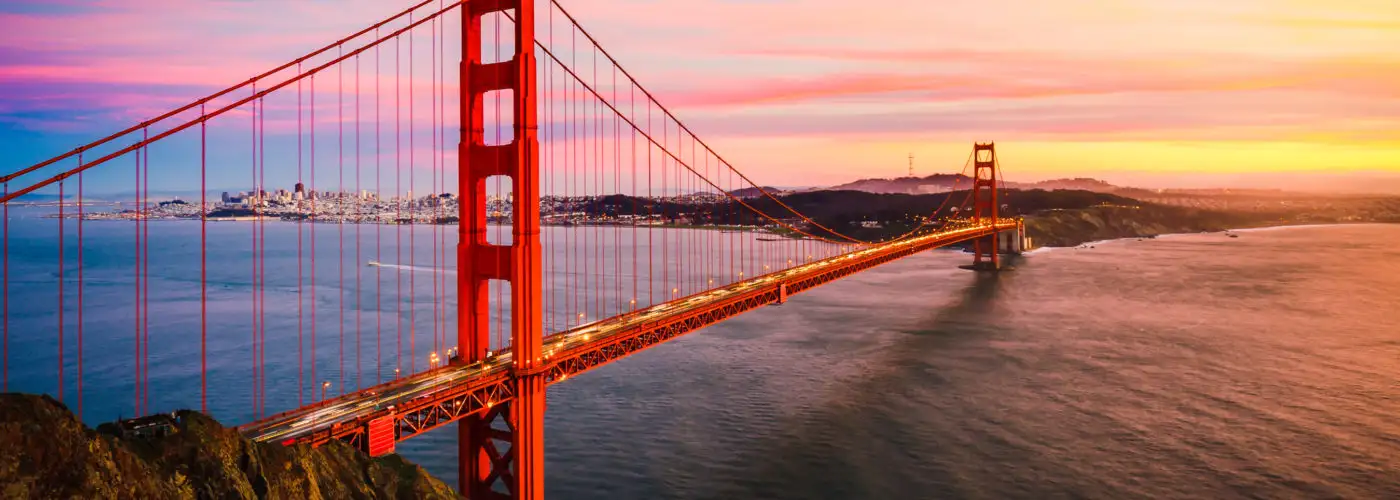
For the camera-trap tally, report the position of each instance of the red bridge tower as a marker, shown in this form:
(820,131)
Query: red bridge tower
(985,205)
(501,453)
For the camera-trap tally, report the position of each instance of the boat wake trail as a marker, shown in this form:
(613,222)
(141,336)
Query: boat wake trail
(418,269)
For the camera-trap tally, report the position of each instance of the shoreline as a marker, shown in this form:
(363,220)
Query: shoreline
(723,229)
(775,235)
(1254,229)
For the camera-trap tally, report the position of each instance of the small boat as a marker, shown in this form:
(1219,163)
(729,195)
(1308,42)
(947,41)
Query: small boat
(374,263)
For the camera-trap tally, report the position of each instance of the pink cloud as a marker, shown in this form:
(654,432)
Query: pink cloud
(1031,75)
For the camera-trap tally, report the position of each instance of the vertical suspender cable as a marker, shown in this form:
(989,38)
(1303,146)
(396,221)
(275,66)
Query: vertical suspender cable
(617,210)
(340,210)
(5,291)
(359,204)
(301,361)
(379,222)
(312,194)
(253,283)
(398,201)
(146,275)
(136,275)
(61,314)
(203,265)
(80,290)
(262,257)
(412,211)
(632,101)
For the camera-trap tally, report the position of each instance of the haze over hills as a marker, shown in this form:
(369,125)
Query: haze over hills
(1310,183)
(751,192)
(939,183)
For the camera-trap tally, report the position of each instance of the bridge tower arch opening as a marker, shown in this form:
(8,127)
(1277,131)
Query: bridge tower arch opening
(501,452)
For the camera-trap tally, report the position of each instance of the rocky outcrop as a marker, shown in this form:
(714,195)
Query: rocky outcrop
(48,453)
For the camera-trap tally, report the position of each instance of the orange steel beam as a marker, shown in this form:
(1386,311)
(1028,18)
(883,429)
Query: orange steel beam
(487,393)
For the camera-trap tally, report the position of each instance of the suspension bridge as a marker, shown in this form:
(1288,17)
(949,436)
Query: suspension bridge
(591,223)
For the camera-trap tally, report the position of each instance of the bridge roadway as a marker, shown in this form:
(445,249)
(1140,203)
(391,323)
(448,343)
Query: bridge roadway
(434,398)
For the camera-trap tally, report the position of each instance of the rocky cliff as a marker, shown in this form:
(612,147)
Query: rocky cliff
(48,453)
(1064,228)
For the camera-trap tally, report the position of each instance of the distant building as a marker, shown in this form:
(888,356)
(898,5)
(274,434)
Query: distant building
(225,198)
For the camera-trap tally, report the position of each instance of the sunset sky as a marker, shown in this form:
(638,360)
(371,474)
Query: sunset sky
(1161,93)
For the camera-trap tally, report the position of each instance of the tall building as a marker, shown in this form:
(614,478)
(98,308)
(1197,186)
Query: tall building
(225,197)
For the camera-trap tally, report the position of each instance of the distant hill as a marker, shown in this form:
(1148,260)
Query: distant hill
(42,198)
(1080,183)
(750,192)
(942,183)
(936,183)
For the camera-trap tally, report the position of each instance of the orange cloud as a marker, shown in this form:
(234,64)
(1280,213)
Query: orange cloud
(1031,75)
